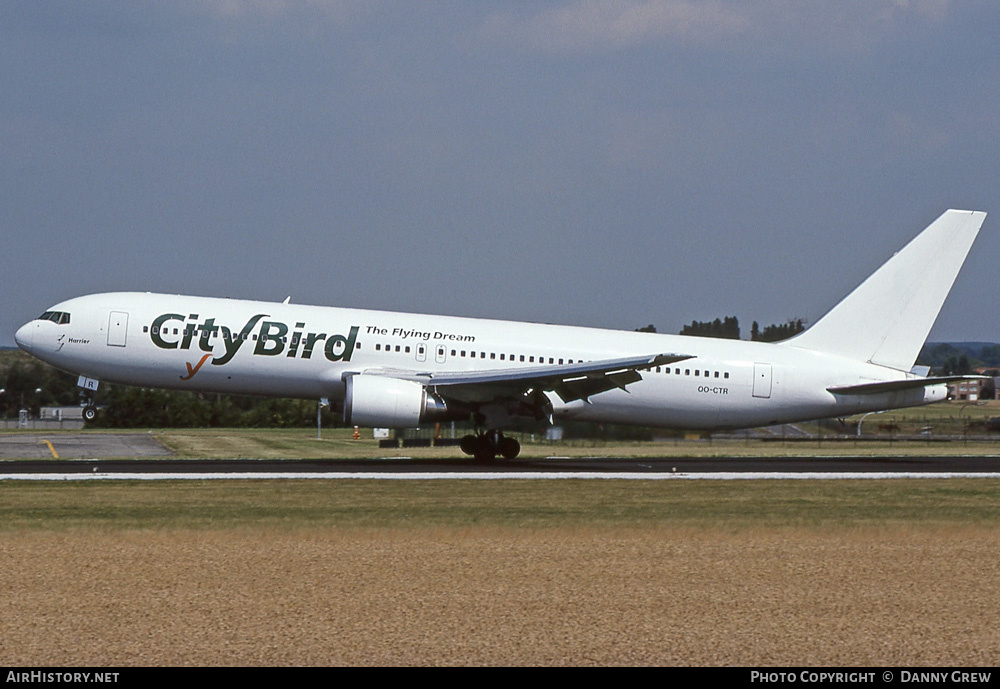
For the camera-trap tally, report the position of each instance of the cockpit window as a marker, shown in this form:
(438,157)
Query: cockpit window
(60,317)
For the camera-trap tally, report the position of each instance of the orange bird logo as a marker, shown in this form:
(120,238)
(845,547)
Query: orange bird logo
(192,371)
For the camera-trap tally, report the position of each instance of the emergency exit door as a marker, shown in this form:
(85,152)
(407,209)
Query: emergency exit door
(762,380)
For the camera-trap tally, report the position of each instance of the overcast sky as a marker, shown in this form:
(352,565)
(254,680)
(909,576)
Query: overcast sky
(608,164)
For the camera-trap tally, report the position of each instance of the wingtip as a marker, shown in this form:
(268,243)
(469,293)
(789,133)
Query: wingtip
(665,358)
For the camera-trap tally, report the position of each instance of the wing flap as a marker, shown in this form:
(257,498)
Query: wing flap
(584,388)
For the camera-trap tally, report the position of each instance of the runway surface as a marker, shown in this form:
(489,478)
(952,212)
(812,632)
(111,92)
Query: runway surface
(80,445)
(79,456)
(799,467)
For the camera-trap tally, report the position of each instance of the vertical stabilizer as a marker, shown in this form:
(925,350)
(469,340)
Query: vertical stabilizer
(886,319)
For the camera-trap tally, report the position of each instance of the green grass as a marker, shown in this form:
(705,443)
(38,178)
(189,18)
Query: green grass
(302,443)
(339,444)
(945,418)
(297,504)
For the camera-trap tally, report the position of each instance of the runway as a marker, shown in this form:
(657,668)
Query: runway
(550,467)
(80,445)
(141,456)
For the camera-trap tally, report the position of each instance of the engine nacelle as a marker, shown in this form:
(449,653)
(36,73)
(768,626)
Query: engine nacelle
(382,402)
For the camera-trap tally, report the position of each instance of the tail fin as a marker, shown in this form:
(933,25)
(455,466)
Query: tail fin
(885,320)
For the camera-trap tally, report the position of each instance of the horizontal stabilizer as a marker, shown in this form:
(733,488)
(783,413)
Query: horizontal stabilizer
(896,385)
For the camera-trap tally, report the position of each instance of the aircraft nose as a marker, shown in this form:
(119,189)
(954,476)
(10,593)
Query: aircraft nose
(23,336)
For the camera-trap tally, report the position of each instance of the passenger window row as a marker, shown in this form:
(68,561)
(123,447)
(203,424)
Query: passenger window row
(696,372)
(530,359)
(405,349)
(203,334)
(473,354)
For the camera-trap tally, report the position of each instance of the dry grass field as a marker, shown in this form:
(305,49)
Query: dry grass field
(500,596)
(500,573)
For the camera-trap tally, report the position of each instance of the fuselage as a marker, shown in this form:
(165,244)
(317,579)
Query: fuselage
(291,350)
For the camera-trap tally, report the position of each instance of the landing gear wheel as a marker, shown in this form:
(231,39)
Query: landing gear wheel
(509,448)
(89,412)
(486,446)
(485,451)
(479,446)
(469,443)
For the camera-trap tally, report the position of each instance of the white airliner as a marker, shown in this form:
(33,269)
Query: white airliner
(401,370)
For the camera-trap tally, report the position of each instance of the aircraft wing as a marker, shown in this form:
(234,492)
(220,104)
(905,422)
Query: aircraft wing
(569,381)
(895,385)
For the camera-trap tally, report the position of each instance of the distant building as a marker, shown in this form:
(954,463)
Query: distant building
(61,413)
(974,390)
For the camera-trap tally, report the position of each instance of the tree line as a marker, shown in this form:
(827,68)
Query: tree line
(31,384)
(728,328)
(961,358)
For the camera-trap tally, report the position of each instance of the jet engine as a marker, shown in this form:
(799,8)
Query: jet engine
(383,402)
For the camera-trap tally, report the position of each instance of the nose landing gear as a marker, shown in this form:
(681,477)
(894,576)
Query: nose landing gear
(88,386)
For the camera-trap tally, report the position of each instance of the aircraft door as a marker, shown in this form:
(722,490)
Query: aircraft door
(440,354)
(762,380)
(117,327)
(421,352)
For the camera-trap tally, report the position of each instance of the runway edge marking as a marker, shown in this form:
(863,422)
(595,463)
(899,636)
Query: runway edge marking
(494,476)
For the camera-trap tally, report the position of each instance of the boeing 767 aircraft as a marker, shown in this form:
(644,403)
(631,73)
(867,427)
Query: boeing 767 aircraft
(401,370)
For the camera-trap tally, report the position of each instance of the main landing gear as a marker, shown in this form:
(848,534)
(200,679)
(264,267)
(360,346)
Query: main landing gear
(486,446)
